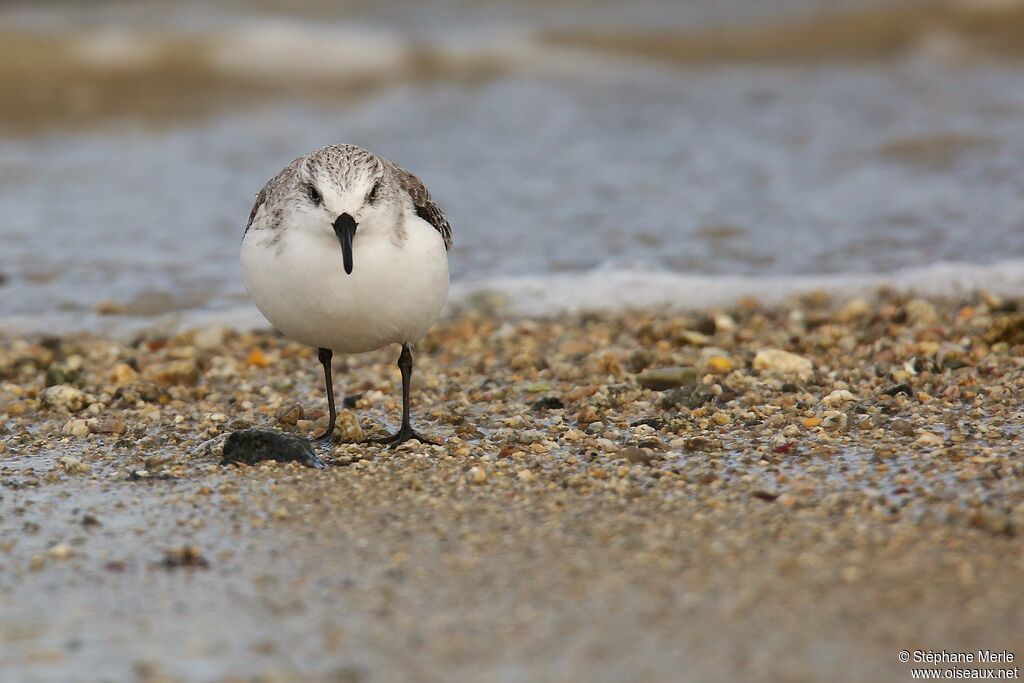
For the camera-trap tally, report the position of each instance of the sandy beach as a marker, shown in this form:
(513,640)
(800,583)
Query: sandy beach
(788,493)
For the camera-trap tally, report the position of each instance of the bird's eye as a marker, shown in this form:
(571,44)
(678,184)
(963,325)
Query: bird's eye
(314,195)
(372,197)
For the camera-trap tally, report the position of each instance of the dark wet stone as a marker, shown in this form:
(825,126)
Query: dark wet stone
(705,325)
(652,422)
(789,388)
(251,446)
(187,556)
(548,403)
(901,388)
(350,400)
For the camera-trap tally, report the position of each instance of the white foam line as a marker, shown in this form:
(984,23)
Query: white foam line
(595,291)
(621,290)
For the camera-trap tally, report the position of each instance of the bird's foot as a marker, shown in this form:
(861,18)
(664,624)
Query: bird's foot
(406,433)
(324,437)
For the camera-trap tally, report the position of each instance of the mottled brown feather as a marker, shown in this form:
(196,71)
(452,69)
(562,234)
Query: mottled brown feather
(423,203)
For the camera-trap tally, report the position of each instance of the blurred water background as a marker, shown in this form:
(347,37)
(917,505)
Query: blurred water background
(668,150)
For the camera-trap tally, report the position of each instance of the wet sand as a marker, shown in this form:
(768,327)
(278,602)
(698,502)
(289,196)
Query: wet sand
(599,511)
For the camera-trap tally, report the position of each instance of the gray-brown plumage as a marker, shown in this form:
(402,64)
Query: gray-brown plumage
(344,159)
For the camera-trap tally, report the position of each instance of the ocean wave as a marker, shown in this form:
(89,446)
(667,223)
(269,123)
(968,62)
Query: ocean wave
(103,71)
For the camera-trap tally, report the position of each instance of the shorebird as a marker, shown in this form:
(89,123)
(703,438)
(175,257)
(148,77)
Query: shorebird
(346,252)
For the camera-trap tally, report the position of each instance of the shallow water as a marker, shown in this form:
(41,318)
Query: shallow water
(131,184)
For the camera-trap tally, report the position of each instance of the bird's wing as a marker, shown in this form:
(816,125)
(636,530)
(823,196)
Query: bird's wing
(425,206)
(260,198)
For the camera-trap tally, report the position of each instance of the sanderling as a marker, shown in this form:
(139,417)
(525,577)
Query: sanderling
(347,252)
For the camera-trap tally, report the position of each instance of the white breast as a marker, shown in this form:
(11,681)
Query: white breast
(394,293)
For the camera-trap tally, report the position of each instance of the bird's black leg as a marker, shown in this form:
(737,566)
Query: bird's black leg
(405,432)
(325,356)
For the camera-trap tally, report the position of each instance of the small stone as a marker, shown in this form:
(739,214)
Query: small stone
(660,379)
(783,362)
(37,561)
(1007,329)
(251,446)
(687,397)
(930,439)
(123,374)
(65,397)
(634,454)
(838,397)
(258,358)
(178,372)
(921,312)
(811,422)
(853,310)
(186,556)
(834,420)
(477,475)
(76,428)
(110,308)
(720,364)
(903,428)
(548,403)
(111,425)
(724,323)
(290,414)
(694,338)
(61,551)
(346,428)
(73,465)
(209,338)
(525,475)
(902,388)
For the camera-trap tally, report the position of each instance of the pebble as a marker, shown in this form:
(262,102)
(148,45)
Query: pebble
(178,372)
(290,414)
(111,425)
(838,397)
(346,428)
(76,428)
(921,312)
(123,374)
(661,379)
(634,454)
(73,465)
(721,365)
(209,338)
(477,475)
(61,551)
(65,397)
(783,362)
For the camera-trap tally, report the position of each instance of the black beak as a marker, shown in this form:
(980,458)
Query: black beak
(345,229)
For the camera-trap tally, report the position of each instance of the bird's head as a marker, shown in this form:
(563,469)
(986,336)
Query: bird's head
(348,192)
